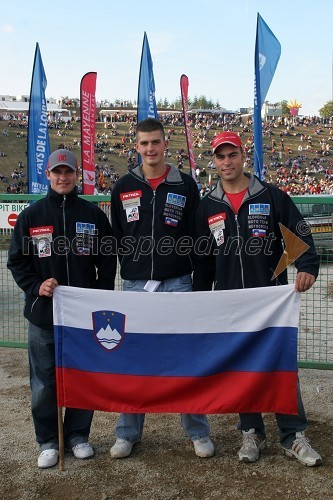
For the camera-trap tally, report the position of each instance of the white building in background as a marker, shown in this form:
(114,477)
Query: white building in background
(11,105)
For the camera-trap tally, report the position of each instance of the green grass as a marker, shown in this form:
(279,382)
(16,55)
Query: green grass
(15,147)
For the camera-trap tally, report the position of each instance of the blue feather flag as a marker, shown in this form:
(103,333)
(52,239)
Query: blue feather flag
(267,55)
(38,134)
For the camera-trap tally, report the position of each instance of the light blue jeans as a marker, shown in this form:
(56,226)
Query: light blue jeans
(288,424)
(130,425)
(44,396)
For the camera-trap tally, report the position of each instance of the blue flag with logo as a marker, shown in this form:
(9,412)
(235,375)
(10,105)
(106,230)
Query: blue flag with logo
(146,93)
(266,58)
(38,134)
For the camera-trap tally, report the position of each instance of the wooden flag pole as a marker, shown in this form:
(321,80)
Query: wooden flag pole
(61,439)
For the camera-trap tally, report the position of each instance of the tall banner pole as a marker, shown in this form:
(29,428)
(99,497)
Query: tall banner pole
(38,134)
(88,127)
(184,84)
(266,58)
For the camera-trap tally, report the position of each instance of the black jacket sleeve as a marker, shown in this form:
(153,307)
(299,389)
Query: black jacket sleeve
(293,220)
(204,259)
(20,261)
(106,259)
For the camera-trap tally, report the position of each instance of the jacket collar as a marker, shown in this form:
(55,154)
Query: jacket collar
(173,176)
(59,198)
(255,187)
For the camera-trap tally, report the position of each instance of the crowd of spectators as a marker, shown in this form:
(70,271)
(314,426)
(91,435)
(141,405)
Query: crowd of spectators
(298,155)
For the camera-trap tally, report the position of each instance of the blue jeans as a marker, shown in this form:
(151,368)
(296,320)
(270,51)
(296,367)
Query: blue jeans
(130,425)
(288,424)
(44,396)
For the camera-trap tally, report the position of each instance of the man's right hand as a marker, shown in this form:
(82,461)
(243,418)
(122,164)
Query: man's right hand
(47,287)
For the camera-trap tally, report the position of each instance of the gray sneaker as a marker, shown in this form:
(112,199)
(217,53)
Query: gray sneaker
(302,451)
(252,444)
(121,449)
(83,451)
(203,447)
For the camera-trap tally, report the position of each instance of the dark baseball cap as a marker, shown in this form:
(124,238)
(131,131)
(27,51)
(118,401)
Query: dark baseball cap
(62,158)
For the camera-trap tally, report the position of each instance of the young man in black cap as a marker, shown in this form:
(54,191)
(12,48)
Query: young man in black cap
(240,222)
(57,241)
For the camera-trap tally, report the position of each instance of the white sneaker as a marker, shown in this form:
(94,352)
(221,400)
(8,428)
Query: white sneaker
(203,447)
(301,449)
(252,444)
(121,449)
(48,458)
(82,451)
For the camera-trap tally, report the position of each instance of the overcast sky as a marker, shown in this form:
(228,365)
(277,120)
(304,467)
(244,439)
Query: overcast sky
(211,41)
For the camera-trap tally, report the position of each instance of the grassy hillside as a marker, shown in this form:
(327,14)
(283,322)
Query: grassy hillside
(14,146)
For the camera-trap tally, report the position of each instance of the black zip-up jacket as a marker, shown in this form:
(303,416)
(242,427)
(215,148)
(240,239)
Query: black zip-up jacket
(60,237)
(154,229)
(245,252)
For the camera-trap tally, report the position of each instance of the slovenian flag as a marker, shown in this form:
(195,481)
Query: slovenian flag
(196,352)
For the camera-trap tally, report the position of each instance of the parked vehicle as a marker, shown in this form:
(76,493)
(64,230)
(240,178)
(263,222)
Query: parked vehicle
(319,216)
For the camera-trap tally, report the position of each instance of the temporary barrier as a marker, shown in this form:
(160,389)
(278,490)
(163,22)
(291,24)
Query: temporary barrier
(316,322)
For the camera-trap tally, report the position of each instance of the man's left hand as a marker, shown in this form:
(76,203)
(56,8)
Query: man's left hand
(304,281)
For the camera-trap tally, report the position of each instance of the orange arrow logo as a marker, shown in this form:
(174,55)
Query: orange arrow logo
(294,248)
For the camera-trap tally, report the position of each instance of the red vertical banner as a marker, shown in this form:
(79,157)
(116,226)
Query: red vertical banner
(184,93)
(88,125)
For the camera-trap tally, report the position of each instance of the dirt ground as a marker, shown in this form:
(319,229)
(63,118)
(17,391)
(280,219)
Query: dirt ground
(163,465)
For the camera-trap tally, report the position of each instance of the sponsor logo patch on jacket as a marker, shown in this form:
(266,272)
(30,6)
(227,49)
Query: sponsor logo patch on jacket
(259,208)
(217,221)
(131,199)
(42,238)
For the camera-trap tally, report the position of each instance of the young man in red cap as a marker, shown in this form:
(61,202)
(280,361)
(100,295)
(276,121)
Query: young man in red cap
(57,241)
(243,212)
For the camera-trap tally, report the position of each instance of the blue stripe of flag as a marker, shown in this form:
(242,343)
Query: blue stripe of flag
(179,355)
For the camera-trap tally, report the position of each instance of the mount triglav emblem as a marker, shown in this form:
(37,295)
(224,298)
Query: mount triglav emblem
(109,327)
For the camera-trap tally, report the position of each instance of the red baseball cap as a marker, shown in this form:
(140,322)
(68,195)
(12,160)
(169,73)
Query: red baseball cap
(226,138)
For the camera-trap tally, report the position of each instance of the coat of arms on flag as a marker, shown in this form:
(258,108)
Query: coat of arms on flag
(108,327)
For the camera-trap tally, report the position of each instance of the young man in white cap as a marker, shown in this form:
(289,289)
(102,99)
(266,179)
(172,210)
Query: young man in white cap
(57,241)
(240,219)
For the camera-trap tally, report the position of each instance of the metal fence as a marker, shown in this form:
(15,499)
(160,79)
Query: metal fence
(315,344)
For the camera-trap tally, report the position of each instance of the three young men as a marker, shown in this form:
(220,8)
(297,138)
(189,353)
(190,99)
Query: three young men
(154,208)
